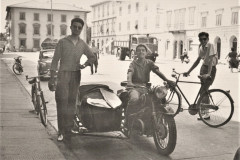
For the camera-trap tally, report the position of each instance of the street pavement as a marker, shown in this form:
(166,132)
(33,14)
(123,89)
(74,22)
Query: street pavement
(195,139)
(22,135)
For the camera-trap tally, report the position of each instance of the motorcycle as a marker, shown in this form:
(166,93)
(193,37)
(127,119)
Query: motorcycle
(17,66)
(100,110)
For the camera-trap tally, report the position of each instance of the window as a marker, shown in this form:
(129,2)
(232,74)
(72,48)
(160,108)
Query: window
(146,7)
(128,25)
(190,45)
(50,29)
(137,7)
(113,8)
(22,42)
(36,16)
(49,17)
(36,28)
(234,18)
(22,28)
(204,22)
(191,15)
(120,11)
(63,30)
(157,21)
(136,24)
(103,9)
(108,9)
(129,9)
(119,27)
(167,45)
(98,11)
(169,15)
(218,20)
(94,12)
(36,43)
(145,23)
(63,18)
(22,16)
(134,40)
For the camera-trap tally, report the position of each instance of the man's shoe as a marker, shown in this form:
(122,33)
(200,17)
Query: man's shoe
(60,138)
(205,118)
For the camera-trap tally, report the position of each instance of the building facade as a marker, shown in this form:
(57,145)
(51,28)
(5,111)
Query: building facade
(30,23)
(104,25)
(176,24)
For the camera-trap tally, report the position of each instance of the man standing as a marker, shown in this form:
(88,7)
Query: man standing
(95,51)
(69,51)
(207,53)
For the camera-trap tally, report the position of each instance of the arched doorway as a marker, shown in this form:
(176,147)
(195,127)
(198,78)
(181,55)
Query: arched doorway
(218,44)
(175,50)
(233,42)
(180,49)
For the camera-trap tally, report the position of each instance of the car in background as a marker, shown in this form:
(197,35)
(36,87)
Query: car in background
(44,62)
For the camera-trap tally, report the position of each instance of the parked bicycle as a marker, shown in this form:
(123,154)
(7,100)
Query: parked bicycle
(219,104)
(38,99)
(17,66)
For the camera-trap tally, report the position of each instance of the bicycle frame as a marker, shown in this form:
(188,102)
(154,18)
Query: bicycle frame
(177,80)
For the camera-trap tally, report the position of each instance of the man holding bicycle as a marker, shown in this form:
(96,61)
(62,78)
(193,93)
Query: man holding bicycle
(207,53)
(69,51)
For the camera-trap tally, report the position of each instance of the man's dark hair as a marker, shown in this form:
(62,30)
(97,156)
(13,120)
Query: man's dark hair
(77,20)
(203,34)
(142,45)
(232,49)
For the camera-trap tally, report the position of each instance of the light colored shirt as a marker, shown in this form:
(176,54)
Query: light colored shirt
(141,72)
(69,55)
(205,52)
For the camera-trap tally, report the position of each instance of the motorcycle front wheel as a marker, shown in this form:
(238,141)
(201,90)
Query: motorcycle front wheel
(17,69)
(165,134)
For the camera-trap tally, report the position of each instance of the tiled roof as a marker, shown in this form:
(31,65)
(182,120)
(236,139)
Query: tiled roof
(47,5)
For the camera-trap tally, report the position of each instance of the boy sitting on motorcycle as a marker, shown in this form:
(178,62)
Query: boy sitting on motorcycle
(139,75)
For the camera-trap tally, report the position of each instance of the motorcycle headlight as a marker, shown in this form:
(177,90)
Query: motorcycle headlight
(160,92)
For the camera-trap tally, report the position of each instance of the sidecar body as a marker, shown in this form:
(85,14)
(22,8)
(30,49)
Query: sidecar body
(98,108)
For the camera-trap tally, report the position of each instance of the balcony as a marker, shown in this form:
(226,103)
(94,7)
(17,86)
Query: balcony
(177,28)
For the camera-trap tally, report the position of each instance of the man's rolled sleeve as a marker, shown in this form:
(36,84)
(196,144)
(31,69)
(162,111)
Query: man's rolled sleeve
(56,56)
(90,56)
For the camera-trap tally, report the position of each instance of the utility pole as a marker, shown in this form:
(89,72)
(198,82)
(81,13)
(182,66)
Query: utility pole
(51,22)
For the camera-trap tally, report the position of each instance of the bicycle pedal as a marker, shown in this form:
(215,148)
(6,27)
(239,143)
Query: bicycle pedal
(181,110)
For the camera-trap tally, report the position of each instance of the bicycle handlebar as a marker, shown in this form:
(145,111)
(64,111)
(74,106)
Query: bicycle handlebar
(37,76)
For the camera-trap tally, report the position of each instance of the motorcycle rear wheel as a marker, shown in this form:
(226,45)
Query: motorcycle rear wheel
(165,134)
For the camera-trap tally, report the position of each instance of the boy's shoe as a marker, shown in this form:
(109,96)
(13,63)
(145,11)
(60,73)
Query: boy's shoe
(60,138)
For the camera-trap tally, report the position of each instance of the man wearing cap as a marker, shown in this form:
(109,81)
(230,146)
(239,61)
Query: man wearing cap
(69,51)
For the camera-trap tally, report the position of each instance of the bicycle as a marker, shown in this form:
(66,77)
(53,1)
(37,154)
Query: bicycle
(17,66)
(38,99)
(215,102)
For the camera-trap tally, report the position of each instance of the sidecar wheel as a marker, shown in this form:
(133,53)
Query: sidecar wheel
(165,134)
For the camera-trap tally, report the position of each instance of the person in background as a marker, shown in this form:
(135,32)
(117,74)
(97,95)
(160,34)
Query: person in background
(95,51)
(69,51)
(233,59)
(207,53)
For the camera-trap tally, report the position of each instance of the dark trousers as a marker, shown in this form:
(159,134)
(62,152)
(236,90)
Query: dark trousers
(95,65)
(205,86)
(65,95)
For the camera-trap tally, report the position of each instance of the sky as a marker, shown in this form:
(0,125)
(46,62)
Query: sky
(79,3)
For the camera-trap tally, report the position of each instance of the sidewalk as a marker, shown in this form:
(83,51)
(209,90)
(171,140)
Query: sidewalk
(22,134)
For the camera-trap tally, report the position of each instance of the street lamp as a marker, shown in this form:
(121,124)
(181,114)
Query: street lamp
(51,22)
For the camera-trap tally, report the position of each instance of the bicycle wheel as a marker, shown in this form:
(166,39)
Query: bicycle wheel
(34,99)
(165,134)
(42,109)
(16,69)
(218,104)
(173,102)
